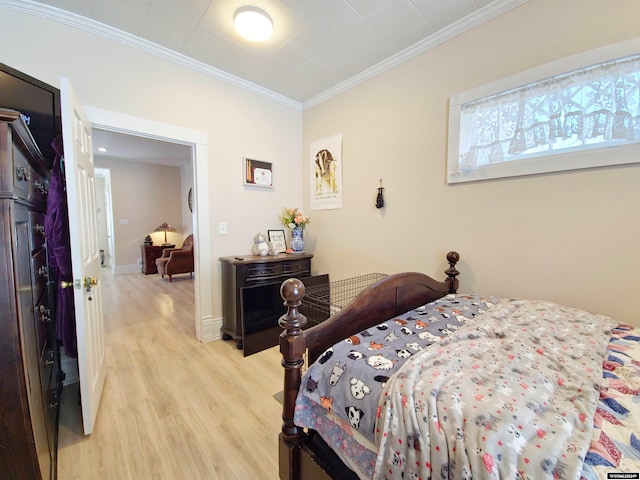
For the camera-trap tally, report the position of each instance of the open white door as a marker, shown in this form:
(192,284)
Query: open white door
(85,255)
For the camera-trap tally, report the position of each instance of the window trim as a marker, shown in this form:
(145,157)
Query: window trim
(547,162)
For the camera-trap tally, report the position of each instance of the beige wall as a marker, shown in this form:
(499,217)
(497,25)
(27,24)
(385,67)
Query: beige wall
(568,237)
(144,196)
(112,76)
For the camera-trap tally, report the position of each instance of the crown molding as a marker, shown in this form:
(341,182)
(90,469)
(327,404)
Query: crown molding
(482,15)
(470,21)
(93,26)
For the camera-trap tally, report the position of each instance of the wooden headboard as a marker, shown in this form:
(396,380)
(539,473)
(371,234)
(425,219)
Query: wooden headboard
(393,295)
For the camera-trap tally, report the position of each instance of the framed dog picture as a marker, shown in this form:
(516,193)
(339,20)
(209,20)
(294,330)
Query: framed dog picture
(277,239)
(258,173)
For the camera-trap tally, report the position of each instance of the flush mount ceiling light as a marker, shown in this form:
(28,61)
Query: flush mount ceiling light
(253,24)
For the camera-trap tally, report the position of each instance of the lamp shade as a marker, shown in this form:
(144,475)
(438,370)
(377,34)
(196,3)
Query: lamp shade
(165,227)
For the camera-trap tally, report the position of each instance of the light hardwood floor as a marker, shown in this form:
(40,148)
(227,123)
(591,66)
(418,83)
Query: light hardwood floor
(172,408)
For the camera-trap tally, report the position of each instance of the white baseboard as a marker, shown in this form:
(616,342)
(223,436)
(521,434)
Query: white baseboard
(124,269)
(211,329)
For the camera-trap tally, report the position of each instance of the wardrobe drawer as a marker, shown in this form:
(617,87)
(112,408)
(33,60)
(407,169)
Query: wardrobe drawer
(36,229)
(39,189)
(39,273)
(27,183)
(47,364)
(22,175)
(42,316)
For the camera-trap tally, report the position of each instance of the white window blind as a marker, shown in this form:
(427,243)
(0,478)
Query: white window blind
(542,125)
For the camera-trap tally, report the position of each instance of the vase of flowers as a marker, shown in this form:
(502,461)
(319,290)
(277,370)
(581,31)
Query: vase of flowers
(296,221)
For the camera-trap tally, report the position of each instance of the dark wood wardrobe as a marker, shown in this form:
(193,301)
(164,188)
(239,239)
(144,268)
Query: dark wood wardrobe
(31,377)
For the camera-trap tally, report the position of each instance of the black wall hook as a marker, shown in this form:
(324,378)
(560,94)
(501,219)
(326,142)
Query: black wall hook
(380,198)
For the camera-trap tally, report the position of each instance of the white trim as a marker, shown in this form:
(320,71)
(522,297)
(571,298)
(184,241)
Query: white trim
(211,329)
(118,122)
(105,173)
(586,158)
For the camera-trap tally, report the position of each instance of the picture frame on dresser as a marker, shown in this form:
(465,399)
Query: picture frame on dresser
(277,239)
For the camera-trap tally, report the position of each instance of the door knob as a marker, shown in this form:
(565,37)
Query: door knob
(87,283)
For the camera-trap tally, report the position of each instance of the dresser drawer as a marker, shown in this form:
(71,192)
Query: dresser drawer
(263,271)
(272,271)
(296,267)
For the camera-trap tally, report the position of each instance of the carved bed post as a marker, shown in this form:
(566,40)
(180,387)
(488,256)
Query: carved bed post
(452,273)
(292,348)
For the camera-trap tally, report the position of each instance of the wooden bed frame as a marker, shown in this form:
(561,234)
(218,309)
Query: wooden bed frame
(303,455)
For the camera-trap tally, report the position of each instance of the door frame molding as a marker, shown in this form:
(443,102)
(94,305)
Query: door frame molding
(197,140)
(105,173)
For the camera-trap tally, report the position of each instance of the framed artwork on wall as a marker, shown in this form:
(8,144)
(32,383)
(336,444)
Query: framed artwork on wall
(277,239)
(257,173)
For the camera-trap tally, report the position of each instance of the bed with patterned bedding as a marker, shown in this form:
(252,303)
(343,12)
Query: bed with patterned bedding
(471,386)
(480,386)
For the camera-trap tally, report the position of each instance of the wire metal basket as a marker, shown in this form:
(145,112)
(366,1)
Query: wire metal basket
(323,301)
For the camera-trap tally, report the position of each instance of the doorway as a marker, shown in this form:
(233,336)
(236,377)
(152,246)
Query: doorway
(150,179)
(105,218)
(197,141)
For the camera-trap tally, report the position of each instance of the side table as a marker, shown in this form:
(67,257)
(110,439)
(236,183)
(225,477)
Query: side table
(149,255)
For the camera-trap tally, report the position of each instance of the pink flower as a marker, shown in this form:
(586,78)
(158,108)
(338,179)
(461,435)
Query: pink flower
(292,217)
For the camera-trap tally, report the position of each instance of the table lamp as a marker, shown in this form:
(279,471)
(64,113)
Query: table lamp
(165,227)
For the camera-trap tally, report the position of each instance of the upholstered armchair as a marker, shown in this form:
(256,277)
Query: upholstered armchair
(177,260)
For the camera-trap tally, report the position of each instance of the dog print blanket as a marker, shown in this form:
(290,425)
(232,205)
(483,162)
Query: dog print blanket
(511,395)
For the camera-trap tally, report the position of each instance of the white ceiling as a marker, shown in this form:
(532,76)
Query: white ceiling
(319,47)
(121,146)
(316,45)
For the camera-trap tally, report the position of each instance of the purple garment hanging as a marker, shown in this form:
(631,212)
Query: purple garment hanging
(56,225)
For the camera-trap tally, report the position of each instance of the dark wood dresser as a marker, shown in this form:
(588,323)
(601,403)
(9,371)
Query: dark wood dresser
(251,303)
(149,255)
(30,378)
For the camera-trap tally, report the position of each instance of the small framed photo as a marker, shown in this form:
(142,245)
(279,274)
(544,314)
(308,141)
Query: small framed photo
(258,173)
(277,239)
